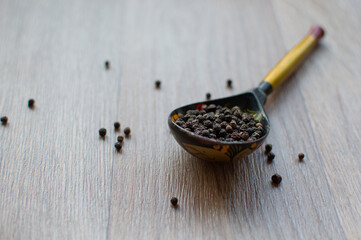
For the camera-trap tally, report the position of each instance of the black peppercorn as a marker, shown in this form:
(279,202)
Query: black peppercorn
(271,156)
(120,139)
(228,118)
(245,136)
(211,108)
(107,64)
(158,83)
(235,135)
(102,132)
(127,131)
(205,133)
(227,112)
(244,126)
(4,120)
(31,103)
(208,96)
(276,179)
(301,156)
(222,133)
(217,127)
(255,135)
(268,148)
(118,146)
(229,128)
(229,83)
(212,135)
(174,201)
(116,125)
(224,124)
(207,123)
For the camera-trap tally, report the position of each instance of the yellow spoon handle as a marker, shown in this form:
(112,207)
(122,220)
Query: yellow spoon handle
(293,58)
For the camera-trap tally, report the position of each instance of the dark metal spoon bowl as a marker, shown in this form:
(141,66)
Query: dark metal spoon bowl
(251,102)
(216,150)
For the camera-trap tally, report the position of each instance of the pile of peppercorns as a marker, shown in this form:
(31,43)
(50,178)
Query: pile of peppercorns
(222,123)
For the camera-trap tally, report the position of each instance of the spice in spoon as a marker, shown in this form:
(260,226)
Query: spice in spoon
(216,122)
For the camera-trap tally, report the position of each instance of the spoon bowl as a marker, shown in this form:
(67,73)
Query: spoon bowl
(216,150)
(251,102)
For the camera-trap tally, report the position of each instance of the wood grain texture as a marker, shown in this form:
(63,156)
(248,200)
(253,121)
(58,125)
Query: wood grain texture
(59,180)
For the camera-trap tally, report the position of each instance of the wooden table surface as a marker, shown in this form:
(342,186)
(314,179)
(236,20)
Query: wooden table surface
(59,180)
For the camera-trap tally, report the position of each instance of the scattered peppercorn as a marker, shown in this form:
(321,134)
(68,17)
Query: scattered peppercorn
(4,120)
(229,83)
(208,96)
(31,103)
(116,125)
(118,146)
(174,201)
(102,132)
(120,139)
(276,179)
(158,83)
(221,123)
(268,147)
(127,131)
(270,156)
(107,64)
(301,156)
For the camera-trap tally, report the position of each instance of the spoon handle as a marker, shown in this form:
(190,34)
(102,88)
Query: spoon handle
(291,60)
